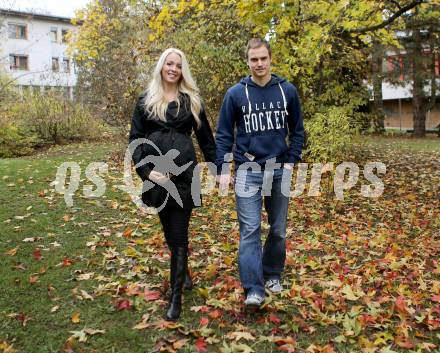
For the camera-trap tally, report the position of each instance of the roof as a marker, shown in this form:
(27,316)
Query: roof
(37,16)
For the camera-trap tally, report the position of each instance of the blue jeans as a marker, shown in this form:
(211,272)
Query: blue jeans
(257,265)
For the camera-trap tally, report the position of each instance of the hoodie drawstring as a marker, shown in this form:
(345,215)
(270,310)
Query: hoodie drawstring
(284,98)
(249,101)
(282,92)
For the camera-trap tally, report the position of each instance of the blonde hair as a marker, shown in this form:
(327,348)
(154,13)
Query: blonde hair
(155,103)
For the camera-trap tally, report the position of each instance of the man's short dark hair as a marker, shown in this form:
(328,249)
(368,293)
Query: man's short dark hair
(257,43)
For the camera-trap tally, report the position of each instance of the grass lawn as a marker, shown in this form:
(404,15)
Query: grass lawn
(362,274)
(431,143)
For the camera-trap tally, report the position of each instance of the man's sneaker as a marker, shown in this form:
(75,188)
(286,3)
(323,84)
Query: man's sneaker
(254,299)
(274,285)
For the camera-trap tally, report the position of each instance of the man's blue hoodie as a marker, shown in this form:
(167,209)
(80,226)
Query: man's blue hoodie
(259,119)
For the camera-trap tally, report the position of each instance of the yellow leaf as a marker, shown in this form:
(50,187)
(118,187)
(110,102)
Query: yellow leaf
(348,293)
(75,318)
(141,326)
(228,260)
(241,348)
(203,292)
(12,252)
(6,348)
(131,252)
(211,271)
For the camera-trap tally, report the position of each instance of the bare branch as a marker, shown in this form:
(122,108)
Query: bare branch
(389,20)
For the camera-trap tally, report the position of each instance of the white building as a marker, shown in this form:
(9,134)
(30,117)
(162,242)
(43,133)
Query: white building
(33,51)
(397,96)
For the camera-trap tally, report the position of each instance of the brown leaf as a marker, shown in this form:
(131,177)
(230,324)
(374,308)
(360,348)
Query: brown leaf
(91,331)
(238,335)
(127,233)
(284,341)
(33,279)
(20,266)
(403,342)
(69,345)
(287,348)
(180,343)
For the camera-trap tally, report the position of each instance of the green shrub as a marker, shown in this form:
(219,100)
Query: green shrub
(15,139)
(329,135)
(57,120)
(31,121)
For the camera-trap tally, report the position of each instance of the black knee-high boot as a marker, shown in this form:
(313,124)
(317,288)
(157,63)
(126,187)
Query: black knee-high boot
(179,262)
(188,284)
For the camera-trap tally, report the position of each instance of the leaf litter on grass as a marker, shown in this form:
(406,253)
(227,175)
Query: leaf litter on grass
(362,274)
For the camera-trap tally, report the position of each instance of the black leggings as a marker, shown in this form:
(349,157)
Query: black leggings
(175,223)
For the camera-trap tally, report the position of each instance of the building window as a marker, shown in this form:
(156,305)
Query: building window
(66,65)
(53,34)
(18,62)
(64,33)
(17,31)
(55,65)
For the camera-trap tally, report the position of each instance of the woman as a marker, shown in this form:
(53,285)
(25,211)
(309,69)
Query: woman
(165,114)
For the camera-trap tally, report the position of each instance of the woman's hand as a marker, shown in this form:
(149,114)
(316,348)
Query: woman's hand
(158,177)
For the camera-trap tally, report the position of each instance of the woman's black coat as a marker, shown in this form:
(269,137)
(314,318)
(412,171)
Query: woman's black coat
(175,133)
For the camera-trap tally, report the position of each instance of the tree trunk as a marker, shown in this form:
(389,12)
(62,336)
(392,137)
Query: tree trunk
(379,116)
(419,109)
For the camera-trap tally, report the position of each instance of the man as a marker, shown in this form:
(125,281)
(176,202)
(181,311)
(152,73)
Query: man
(258,115)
